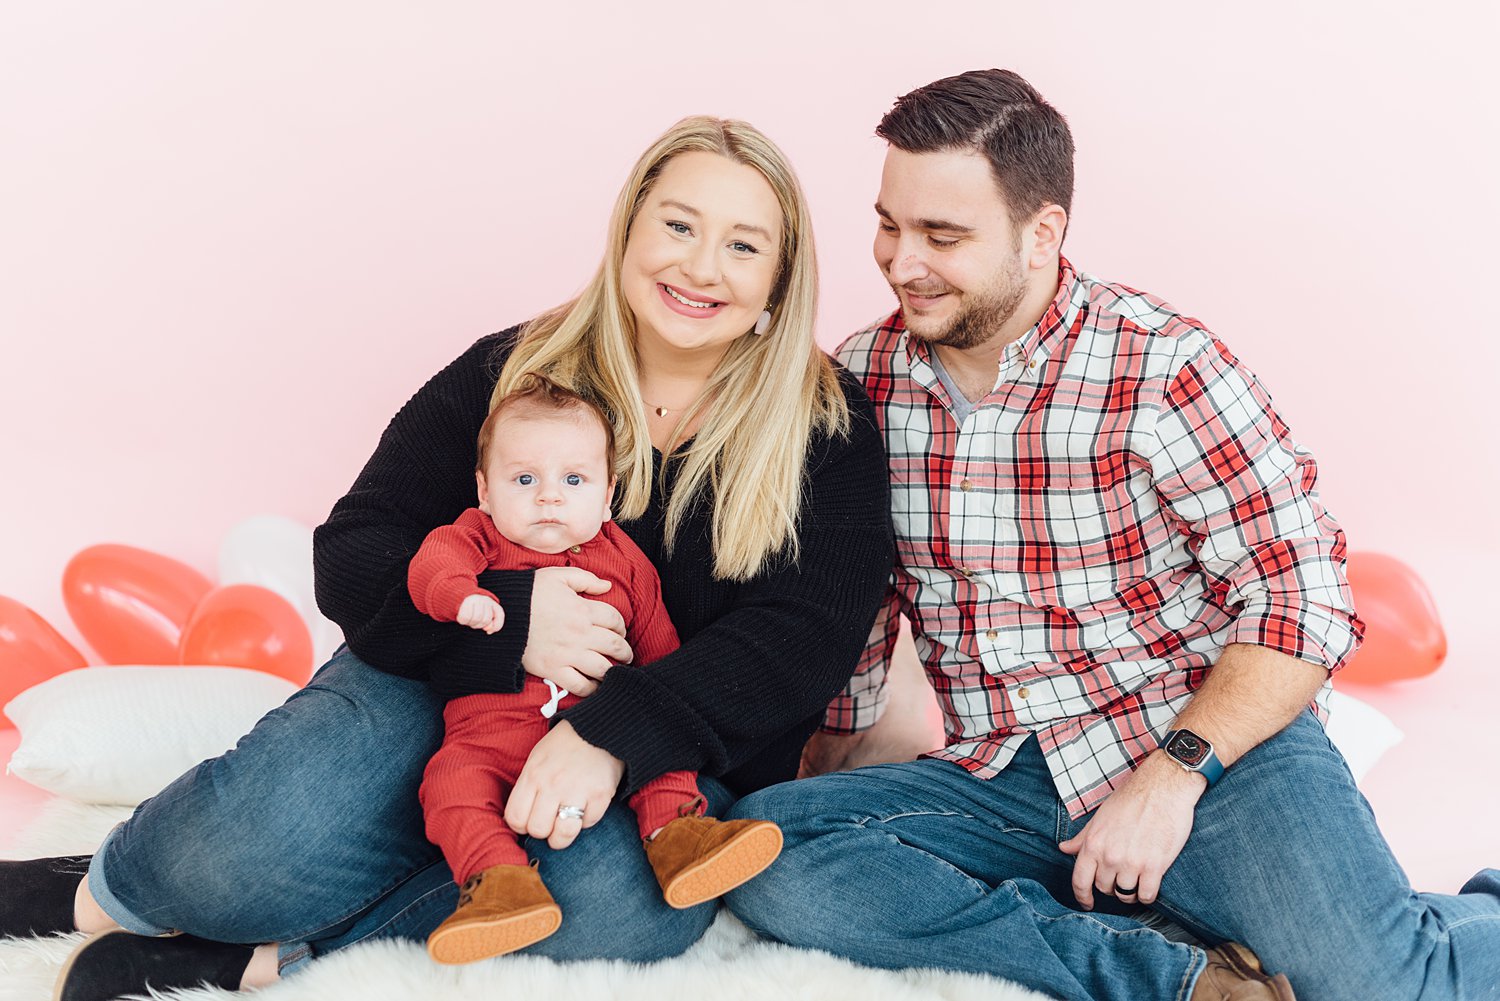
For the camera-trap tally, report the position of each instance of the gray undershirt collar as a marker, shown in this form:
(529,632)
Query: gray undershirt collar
(962,407)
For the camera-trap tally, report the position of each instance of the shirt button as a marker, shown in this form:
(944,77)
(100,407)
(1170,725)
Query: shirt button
(1023,692)
(992,634)
(966,571)
(576,549)
(965,486)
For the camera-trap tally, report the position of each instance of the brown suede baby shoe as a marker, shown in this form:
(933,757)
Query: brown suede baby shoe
(500,910)
(700,858)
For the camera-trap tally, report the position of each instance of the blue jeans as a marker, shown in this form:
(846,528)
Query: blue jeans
(922,864)
(309,834)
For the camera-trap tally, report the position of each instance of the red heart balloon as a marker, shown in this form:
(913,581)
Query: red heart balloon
(31,651)
(131,604)
(245,625)
(1403,636)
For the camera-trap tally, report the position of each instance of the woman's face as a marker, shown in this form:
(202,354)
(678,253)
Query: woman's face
(701,256)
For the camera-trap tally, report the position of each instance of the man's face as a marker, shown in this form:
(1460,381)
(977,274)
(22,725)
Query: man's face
(948,247)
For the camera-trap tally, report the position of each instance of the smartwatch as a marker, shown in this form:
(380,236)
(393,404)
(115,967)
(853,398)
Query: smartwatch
(1193,753)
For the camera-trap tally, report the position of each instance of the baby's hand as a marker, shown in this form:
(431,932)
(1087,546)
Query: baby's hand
(480,611)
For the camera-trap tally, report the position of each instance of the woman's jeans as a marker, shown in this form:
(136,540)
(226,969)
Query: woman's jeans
(924,864)
(309,834)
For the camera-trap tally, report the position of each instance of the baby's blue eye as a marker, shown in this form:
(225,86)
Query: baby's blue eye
(573,479)
(526,479)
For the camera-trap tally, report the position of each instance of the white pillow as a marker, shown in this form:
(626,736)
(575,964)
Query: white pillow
(120,734)
(1361,732)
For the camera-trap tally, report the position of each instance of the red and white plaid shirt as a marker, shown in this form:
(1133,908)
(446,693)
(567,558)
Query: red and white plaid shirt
(1073,559)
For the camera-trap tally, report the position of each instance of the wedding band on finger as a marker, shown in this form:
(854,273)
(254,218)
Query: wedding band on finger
(570,812)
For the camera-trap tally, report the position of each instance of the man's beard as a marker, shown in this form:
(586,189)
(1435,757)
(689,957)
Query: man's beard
(983,312)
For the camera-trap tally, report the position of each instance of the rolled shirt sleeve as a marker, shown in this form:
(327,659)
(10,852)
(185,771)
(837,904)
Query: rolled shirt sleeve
(1227,468)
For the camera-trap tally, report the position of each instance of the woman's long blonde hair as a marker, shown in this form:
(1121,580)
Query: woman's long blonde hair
(762,404)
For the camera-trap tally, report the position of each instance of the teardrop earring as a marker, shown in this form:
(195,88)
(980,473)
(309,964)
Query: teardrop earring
(763,322)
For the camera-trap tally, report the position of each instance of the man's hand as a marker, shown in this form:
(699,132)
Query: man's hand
(480,611)
(1136,834)
(830,752)
(573,640)
(562,770)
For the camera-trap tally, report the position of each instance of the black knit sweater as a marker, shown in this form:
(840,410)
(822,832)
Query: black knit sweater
(759,661)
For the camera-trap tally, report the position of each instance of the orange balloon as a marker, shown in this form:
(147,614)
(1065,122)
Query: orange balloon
(31,651)
(1403,635)
(245,625)
(131,604)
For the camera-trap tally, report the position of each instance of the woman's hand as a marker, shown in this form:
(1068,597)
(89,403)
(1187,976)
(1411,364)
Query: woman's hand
(562,770)
(573,640)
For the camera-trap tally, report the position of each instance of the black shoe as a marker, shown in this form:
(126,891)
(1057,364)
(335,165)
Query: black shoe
(36,895)
(114,963)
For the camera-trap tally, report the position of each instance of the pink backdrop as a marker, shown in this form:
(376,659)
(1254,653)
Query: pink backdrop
(234,238)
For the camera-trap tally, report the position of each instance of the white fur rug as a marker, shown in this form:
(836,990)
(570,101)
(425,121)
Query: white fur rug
(729,964)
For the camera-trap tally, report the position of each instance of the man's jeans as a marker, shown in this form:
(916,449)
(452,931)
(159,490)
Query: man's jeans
(923,864)
(309,834)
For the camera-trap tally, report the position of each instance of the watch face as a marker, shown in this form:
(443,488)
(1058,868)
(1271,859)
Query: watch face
(1187,747)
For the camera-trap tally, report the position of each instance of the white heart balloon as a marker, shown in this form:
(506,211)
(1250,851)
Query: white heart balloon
(276,553)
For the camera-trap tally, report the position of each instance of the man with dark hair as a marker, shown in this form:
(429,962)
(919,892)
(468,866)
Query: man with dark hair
(1129,600)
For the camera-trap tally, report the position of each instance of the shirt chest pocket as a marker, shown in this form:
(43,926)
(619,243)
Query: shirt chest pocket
(1072,539)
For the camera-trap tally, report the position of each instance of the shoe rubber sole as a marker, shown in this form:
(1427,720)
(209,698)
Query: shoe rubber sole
(474,940)
(62,975)
(738,860)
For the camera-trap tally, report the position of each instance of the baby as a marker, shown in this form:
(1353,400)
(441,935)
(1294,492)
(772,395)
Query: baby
(545,476)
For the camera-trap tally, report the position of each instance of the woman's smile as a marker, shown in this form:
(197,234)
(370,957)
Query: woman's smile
(688,305)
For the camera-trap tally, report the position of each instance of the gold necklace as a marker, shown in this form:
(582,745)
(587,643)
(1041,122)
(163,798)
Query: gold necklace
(663,411)
(660,410)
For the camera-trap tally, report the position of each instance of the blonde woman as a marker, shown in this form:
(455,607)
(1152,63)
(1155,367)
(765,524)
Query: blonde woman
(750,471)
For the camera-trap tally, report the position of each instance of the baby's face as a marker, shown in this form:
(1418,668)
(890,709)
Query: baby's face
(546,484)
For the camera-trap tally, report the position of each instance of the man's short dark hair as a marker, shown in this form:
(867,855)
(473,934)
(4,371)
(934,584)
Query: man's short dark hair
(1026,141)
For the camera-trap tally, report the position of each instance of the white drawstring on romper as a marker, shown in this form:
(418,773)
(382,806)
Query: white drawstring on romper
(550,708)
